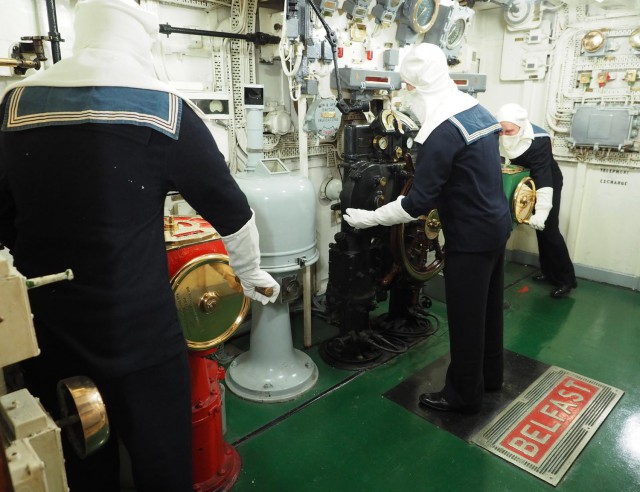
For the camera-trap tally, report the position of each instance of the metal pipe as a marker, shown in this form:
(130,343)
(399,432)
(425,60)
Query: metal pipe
(12,62)
(48,279)
(258,38)
(53,30)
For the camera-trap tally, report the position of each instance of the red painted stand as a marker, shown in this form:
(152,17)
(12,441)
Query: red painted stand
(216,464)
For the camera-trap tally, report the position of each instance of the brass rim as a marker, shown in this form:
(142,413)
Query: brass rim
(524,199)
(195,308)
(84,413)
(414,17)
(634,39)
(420,248)
(593,41)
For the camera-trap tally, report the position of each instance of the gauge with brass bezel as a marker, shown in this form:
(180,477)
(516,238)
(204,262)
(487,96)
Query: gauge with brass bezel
(380,142)
(422,14)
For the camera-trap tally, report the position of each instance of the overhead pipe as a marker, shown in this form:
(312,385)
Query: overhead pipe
(259,38)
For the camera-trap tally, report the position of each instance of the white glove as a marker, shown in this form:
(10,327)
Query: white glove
(244,257)
(544,204)
(387,215)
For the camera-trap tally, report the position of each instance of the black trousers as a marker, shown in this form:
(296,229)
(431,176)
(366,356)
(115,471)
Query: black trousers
(474,286)
(148,410)
(555,262)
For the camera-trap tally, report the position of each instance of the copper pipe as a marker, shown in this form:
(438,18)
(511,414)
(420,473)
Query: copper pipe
(12,62)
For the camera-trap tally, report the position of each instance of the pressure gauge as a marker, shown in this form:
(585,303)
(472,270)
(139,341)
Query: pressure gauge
(422,14)
(455,33)
(409,143)
(380,142)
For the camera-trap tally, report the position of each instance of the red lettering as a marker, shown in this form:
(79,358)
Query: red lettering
(537,432)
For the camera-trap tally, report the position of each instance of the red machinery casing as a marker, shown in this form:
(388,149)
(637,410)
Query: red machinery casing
(211,305)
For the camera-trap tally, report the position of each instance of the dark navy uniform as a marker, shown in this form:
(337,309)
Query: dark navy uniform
(555,262)
(84,173)
(458,172)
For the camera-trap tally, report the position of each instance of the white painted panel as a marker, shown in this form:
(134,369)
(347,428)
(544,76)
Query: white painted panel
(609,231)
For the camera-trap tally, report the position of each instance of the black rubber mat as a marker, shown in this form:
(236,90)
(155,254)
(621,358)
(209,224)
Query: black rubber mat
(519,373)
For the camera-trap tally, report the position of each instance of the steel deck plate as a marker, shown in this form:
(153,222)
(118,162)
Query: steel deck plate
(545,428)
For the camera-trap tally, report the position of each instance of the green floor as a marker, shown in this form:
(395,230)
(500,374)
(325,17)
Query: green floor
(344,436)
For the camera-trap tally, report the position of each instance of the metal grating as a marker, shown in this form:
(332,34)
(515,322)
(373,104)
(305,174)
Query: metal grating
(544,430)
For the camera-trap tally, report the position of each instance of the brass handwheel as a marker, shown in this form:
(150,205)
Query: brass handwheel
(524,200)
(420,246)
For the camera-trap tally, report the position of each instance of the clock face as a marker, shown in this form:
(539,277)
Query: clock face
(423,14)
(455,33)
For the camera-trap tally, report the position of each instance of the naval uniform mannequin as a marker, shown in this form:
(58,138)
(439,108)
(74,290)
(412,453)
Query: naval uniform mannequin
(458,172)
(101,214)
(89,149)
(529,146)
(555,263)
(463,180)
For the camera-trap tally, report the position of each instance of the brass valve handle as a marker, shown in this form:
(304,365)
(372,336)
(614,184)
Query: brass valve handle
(265,291)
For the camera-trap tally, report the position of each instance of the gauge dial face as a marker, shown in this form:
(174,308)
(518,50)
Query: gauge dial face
(455,33)
(381,142)
(409,143)
(423,14)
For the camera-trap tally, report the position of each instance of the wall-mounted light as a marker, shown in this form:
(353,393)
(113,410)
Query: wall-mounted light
(634,39)
(593,41)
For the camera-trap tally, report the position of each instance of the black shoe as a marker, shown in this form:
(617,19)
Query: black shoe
(435,401)
(562,291)
(540,277)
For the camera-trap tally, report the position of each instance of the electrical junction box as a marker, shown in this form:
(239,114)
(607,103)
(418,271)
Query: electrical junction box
(323,118)
(363,79)
(391,58)
(606,127)
(470,83)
